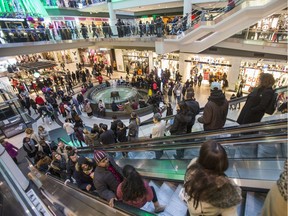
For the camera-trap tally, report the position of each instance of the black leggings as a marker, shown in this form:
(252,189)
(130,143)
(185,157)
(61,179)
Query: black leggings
(155,199)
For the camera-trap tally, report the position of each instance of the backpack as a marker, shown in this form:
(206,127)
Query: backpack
(272,105)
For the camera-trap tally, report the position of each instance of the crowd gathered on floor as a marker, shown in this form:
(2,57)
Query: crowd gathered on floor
(101,173)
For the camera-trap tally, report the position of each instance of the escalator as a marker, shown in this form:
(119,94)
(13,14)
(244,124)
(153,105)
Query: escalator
(71,199)
(256,155)
(203,35)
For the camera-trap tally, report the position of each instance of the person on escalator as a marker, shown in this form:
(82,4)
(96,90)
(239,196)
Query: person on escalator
(258,100)
(135,191)
(215,110)
(107,176)
(207,190)
(179,127)
(276,200)
(84,172)
(194,110)
(158,130)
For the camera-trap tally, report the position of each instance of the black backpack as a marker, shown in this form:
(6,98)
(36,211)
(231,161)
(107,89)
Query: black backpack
(272,105)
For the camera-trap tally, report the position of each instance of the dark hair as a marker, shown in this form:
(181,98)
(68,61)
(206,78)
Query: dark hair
(201,177)
(133,186)
(104,127)
(183,107)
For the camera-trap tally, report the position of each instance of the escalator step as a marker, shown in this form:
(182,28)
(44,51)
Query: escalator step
(254,203)
(176,206)
(165,193)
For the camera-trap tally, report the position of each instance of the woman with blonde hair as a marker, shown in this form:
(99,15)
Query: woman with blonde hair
(258,100)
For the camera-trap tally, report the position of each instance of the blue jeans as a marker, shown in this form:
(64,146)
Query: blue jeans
(72,137)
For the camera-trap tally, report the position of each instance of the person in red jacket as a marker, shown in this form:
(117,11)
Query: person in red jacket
(100,79)
(39,100)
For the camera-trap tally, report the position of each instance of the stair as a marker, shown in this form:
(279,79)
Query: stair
(254,203)
(168,194)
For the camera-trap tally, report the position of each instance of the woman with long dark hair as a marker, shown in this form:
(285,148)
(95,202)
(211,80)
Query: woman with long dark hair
(208,190)
(135,191)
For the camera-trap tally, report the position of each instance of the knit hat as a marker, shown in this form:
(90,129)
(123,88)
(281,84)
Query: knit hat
(215,86)
(99,155)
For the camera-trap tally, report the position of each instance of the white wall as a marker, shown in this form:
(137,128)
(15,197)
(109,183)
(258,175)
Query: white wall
(119,60)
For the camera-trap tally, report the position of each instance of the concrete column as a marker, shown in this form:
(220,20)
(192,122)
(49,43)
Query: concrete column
(234,72)
(187,8)
(113,19)
(150,56)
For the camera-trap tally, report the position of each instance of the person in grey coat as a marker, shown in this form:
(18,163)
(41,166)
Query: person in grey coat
(107,176)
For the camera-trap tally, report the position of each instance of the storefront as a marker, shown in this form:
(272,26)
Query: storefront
(208,66)
(89,56)
(272,28)
(133,60)
(250,71)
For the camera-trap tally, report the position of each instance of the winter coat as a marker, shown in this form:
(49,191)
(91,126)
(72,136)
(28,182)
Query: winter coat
(121,134)
(180,123)
(133,128)
(105,182)
(215,111)
(11,149)
(256,103)
(30,148)
(221,198)
(194,108)
(82,178)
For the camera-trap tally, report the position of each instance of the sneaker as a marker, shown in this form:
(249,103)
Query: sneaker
(159,209)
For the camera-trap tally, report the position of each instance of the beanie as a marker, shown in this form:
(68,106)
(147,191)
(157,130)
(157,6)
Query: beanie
(99,155)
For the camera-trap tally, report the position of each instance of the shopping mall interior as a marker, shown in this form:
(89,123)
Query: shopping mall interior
(83,63)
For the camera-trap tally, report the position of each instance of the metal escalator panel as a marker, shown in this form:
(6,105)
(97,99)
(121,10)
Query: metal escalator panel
(73,200)
(9,204)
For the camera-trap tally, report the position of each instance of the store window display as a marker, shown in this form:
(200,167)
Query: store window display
(250,71)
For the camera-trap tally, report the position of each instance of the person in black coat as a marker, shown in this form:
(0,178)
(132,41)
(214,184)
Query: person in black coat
(194,109)
(84,172)
(258,100)
(181,120)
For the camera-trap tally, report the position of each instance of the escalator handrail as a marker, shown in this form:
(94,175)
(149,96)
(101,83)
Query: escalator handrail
(117,204)
(229,130)
(251,140)
(232,101)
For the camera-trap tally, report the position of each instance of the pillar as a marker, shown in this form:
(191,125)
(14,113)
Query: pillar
(150,56)
(113,19)
(187,8)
